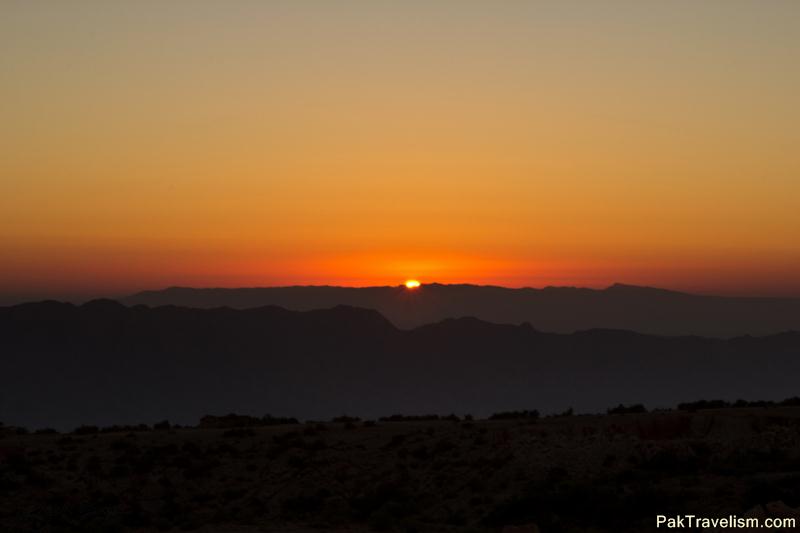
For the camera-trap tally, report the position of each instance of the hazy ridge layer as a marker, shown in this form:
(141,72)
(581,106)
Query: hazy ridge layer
(104,363)
(556,309)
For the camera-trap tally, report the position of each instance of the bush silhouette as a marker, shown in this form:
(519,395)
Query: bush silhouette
(344,419)
(409,418)
(515,415)
(625,410)
(232,420)
(703,404)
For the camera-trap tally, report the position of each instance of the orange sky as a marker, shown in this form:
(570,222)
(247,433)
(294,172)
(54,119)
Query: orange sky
(150,144)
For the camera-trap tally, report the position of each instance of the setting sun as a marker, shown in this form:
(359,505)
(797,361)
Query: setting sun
(412,284)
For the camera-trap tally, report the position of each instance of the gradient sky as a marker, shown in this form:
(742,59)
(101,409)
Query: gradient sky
(146,144)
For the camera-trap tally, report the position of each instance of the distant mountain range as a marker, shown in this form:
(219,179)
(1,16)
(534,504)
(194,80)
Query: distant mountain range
(104,363)
(553,309)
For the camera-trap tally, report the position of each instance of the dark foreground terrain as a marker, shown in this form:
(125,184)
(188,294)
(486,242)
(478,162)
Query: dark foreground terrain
(566,473)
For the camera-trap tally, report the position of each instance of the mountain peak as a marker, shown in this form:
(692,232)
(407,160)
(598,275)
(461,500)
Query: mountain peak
(620,287)
(102,304)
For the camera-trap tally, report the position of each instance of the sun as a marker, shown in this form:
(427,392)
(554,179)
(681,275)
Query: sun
(412,284)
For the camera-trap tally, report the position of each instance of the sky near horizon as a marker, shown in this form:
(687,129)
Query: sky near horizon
(148,144)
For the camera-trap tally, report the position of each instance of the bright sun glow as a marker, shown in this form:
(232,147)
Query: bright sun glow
(412,284)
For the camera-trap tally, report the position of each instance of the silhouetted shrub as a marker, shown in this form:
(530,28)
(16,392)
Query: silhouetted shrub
(228,421)
(740,403)
(86,430)
(754,403)
(125,429)
(344,419)
(409,418)
(626,410)
(162,426)
(703,404)
(515,415)
(269,420)
(46,431)
(233,420)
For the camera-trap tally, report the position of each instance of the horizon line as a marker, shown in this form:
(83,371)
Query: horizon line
(401,285)
(80,296)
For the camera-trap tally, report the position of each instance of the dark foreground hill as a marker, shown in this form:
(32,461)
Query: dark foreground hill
(556,309)
(103,363)
(578,474)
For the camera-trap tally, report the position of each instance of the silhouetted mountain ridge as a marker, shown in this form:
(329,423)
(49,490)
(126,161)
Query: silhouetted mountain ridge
(556,309)
(104,363)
